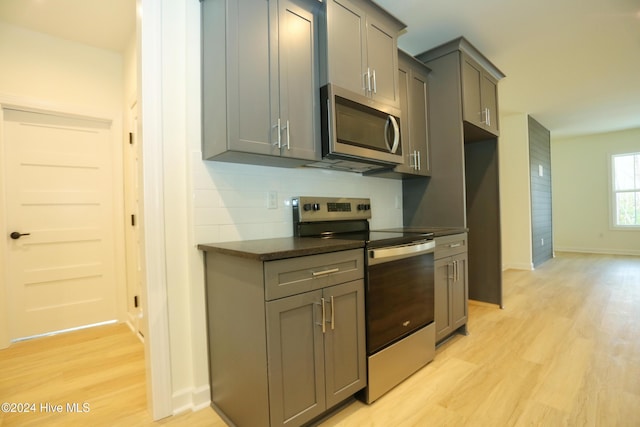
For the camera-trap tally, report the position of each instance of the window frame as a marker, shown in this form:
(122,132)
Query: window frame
(613,193)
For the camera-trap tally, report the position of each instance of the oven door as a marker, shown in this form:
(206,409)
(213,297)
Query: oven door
(400,292)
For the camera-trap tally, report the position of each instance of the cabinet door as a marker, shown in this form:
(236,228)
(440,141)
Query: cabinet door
(459,291)
(295,359)
(471,101)
(442,302)
(405,133)
(489,98)
(419,120)
(248,77)
(345,350)
(382,59)
(347,60)
(298,81)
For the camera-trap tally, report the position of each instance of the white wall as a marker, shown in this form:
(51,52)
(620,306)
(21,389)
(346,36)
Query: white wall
(56,71)
(580,170)
(515,194)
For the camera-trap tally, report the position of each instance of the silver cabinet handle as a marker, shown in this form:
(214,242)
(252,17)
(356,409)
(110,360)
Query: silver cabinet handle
(324,272)
(288,136)
(486,112)
(367,80)
(455,245)
(333,316)
(375,86)
(455,271)
(419,161)
(278,142)
(324,316)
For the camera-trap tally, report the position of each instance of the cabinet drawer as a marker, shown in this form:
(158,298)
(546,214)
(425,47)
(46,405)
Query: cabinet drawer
(450,245)
(295,275)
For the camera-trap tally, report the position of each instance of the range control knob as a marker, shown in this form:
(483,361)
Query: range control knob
(306,207)
(316,206)
(364,207)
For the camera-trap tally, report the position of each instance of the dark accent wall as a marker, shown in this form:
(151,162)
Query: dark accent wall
(541,218)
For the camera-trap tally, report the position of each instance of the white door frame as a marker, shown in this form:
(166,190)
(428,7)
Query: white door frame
(154,298)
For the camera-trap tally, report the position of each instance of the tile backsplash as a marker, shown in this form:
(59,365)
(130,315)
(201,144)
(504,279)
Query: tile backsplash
(232,201)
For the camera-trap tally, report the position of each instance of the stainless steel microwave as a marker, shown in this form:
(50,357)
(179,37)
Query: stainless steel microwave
(357,128)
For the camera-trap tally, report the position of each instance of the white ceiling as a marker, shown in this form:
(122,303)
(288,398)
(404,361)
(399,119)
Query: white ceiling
(574,65)
(107,24)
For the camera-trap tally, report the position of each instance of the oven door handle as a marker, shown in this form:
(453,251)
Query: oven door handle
(377,256)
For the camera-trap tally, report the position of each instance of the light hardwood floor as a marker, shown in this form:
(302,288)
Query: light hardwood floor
(565,350)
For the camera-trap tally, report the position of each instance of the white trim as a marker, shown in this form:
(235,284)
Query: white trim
(612,195)
(157,344)
(518,266)
(191,399)
(33,105)
(603,251)
(5,336)
(62,331)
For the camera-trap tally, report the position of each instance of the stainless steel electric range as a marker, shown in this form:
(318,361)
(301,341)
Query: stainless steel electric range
(399,292)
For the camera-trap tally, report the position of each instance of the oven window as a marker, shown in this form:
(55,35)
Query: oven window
(400,298)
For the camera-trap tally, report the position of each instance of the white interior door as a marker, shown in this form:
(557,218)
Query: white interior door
(61,271)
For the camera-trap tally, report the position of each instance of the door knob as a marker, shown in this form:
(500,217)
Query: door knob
(15,235)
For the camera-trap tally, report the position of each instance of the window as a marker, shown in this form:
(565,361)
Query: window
(626,189)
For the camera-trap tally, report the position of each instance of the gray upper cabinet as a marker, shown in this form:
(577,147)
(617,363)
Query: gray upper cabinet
(414,104)
(359,43)
(479,96)
(260,81)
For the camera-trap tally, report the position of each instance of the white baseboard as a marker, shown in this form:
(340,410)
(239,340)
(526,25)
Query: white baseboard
(518,266)
(603,251)
(191,399)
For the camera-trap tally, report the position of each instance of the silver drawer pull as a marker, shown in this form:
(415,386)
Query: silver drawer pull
(455,245)
(324,272)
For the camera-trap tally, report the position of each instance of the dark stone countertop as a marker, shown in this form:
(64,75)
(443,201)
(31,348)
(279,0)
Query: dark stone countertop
(280,248)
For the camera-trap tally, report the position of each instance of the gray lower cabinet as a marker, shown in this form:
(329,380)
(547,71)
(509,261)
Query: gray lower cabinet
(312,367)
(286,337)
(360,41)
(451,290)
(260,81)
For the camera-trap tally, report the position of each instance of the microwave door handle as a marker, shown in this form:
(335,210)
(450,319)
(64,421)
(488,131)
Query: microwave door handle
(396,134)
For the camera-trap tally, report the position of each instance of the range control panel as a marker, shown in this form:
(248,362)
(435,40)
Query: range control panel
(312,209)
